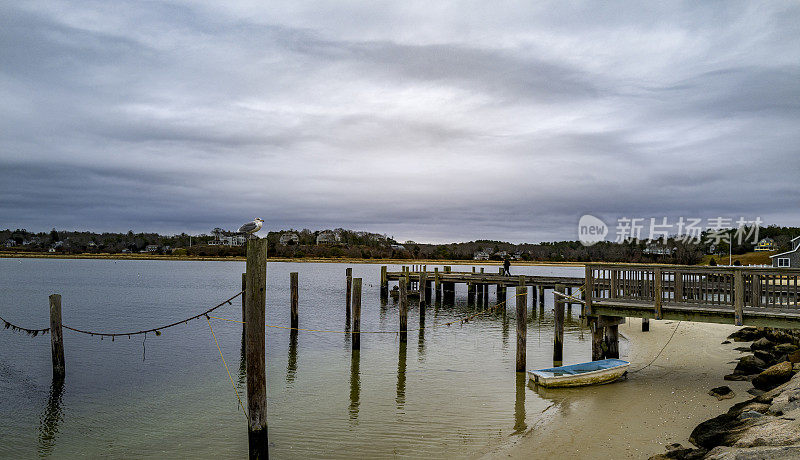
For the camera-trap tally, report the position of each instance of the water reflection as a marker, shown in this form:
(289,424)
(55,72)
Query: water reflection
(421,340)
(241,378)
(52,416)
(291,366)
(355,385)
(401,377)
(519,404)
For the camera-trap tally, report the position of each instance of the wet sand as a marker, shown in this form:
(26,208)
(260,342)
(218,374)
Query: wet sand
(654,407)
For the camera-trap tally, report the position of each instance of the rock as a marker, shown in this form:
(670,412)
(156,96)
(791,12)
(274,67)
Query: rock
(778,336)
(794,356)
(750,414)
(743,349)
(773,376)
(746,334)
(785,348)
(762,344)
(726,342)
(754,453)
(677,451)
(739,377)
(723,392)
(764,355)
(756,391)
(749,364)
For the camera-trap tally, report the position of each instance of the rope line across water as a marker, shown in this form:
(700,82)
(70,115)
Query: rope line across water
(30,332)
(157,330)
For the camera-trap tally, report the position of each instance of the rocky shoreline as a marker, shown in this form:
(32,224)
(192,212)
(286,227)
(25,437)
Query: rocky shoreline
(766,426)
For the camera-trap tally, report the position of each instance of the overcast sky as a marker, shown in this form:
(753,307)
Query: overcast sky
(430,121)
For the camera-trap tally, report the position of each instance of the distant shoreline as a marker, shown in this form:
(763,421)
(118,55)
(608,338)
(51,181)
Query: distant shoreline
(139,256)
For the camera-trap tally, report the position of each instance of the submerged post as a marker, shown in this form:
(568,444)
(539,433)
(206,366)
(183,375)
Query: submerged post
(349,278)
(522,325)
(56,338)
(403,311)
(356,314)
(558,323)
(256,294)
(294,298)
(384,281)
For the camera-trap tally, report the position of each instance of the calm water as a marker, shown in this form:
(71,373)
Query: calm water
(451,392)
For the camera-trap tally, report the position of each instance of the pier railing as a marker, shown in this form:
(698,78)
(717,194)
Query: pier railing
(738,289)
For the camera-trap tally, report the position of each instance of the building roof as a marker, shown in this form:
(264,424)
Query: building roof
(787,252)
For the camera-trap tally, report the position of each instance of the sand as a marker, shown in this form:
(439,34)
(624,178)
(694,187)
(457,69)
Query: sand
(654,407)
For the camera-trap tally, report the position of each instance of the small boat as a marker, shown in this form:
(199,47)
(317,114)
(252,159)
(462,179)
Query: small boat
(576,375)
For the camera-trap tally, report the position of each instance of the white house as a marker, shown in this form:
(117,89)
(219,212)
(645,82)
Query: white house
(151,248)
(481,255)
(328,237)
(289,238)
(788,259)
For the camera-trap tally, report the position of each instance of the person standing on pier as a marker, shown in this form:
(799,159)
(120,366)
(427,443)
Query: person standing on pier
(506,267)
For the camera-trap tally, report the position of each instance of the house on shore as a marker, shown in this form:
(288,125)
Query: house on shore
(481,255)
(328,237)
(788,259)
(766,244)
(289,238)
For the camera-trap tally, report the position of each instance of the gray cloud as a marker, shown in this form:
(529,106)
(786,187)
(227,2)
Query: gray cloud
(432,123)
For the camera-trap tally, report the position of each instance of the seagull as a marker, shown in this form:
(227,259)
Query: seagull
(251,228)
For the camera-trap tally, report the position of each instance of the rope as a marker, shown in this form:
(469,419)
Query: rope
(226,367)
(157,330)
(662,349)
(574,299)
(30,332)
(462,321)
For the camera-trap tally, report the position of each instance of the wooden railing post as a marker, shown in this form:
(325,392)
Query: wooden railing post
(613,274)
(558,325)
(756,283)
(356,314)
(677,285)
(522,324)
(738,296)
(56,338)
(588,289)
(256,291)
(657,292)
(293,298)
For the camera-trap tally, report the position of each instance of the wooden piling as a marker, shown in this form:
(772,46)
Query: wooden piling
(522,325)
(244,288)
(612,341)
(348,295)
(384,281)
(533,296)
(657,292)
(403,311)
(738,297)
(597,338)
(422,283)
(294,297)
(588,287)
(255,304)
(356,314)
(558,323)
(56,338)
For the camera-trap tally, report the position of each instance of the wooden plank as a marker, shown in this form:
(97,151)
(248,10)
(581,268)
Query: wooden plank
(56,338)
(254,348)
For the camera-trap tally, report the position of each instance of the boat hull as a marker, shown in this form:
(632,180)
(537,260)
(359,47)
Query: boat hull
(594,373)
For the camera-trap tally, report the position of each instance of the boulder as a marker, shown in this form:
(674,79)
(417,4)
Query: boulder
(765,356)
(749,364)
(723,392)
(746,334)
(754,453)
(778,336)
(794,356)
(762,344)
(773,376)
(785,348)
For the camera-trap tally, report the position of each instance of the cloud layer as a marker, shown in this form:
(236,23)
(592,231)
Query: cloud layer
(452,121)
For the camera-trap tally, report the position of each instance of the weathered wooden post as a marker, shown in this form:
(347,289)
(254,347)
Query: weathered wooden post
(612,339)
(645,324)
(756,290)
(613,281)
(597,338)
(738,296)
(244,288)
(541,297)
(256,294)
(522,324)
(471,292)
(657,292)
(588,289)
(348,295)
(422,290)
(294,297)
(56,338)
(678,287)
(403,311)
(533,296)
(558,324)
(384,282)
(356,314)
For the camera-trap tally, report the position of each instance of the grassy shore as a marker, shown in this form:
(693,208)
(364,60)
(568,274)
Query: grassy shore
(140,256)
(748,258)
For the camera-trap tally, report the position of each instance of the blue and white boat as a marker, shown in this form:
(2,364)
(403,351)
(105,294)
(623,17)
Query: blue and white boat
(576,375)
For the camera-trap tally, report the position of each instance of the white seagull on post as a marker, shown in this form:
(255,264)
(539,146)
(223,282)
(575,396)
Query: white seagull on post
(251,228)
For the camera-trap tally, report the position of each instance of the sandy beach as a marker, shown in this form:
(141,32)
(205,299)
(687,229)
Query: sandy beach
(654,407)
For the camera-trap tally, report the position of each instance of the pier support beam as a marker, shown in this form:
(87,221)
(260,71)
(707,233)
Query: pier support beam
(598,332)
(349,279)
(403,311)
(645,324)
(356,314)
(294,297)
(255,303)
(384,282)
(522,326)
(558,324)
(56,338)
